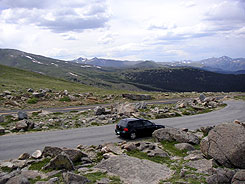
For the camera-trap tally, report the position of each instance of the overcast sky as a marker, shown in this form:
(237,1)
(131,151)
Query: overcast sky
(159,30)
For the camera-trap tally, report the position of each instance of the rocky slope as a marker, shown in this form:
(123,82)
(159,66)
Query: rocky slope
(170,157)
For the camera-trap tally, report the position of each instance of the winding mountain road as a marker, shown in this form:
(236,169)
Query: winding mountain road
(11,146)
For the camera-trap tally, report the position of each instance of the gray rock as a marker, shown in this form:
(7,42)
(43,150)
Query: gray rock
(221,176)
(37,154)
(74,154)
(2,130)
(71,178)
(38,94)
(202,165)
(30,90)
(226,145)
(137,97)
(24,156)
(1,118)
(22,115)
(6,92)
(173,134)
(18,180)
(202,97)
(184,146)
(22,124)
(239,177)
(51,151)
(61,161)
(99,110)
(134,170)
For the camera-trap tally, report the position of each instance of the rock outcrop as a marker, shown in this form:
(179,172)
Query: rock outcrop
(134,170)
(226,144)
(174,134)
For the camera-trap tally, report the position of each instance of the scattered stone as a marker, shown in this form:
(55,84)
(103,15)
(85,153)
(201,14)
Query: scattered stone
(1,118)
(51,151)
(24,156)
(2,130)
(221,176)
(134,170)
(37,154)
(22,115)
(226,144)
(61,161)
(202,165)
(206,130)
(99,110)
(22,124)
(239,177)
(129,146)
(38,94)
(30,90)
(137,97)
(174,134)
(184,146)
(202,97)
(18,180)
(74,154)
(71,178)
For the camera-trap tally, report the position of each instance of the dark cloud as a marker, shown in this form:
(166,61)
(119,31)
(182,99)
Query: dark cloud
(56,15)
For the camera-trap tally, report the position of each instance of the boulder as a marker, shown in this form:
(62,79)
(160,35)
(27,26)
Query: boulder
(1,118)
(22,124)
(226,145)
(74,154)
(184,146)
(37,154)
(61,161)
(2,130)
(22,115)
(71,178)
(51,151)
(19,179)
(239,177)
(174,134)
(134,170)
(30,90)
(202,165)
(221,176)
(137,97)
(202,97)
(38,94)
(99,110)
(126,109)
(24,156)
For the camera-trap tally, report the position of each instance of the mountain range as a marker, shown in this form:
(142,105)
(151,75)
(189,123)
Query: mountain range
(222,64)
(133,75)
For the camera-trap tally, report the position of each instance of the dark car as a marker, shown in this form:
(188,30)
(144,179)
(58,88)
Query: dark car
(133,127)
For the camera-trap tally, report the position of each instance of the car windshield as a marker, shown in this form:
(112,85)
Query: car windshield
(122,123)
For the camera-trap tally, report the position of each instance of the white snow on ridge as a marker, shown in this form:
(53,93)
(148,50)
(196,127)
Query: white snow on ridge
(33,60)
(73,74)
(54,64)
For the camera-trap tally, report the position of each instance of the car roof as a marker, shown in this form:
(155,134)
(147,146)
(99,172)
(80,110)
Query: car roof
(131,119)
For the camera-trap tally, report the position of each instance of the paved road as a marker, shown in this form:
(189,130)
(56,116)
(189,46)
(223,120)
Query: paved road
(13,145)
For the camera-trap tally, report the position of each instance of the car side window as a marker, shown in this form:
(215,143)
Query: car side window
(137,124)
(147,123)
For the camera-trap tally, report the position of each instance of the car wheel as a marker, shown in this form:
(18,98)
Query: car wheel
(133,135)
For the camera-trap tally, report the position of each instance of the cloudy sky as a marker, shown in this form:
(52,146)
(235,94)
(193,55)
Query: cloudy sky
(159,30)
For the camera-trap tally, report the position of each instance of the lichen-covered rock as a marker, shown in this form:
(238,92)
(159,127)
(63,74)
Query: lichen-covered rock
(226,144)
(61,161)
(71,178)
(184,146)
(134,170)
(239,177)
(174,134)
(51,151)
(221,176)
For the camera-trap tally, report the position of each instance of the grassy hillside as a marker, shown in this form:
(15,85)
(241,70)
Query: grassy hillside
(12,78)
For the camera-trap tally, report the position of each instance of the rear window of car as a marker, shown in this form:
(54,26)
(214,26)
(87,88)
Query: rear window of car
(123,123)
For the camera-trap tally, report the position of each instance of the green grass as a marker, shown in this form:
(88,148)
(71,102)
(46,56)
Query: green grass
(38,165)
(6,169)
(240,97)
(93,177)
(65,99)
(32,101)
(171,149)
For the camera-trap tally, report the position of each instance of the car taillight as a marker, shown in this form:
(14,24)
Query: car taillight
(125,129)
